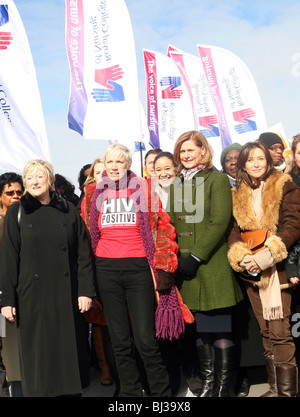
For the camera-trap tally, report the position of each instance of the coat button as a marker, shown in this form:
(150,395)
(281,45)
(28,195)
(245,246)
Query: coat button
(66,274)
(36,276)
(64,248)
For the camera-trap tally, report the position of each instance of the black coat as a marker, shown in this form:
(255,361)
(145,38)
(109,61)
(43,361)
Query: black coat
(45,265)
(292,264)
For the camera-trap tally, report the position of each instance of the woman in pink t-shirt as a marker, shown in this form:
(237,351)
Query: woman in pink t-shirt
(129,262)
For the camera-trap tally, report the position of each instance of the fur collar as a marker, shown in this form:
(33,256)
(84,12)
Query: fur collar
(243,210)
(31,204)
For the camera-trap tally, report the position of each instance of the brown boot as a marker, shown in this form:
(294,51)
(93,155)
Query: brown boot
(272,391)
(106,378)
(287,380)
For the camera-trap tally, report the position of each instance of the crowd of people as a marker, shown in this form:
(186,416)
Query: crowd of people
(187,271)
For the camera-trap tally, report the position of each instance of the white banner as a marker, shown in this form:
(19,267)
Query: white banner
(203,106)
(22,128)
(104,98)
(169,107)
(240,112)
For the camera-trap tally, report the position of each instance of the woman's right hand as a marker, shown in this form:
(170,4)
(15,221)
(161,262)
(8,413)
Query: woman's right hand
(9,313)
(188,266)
(250,265)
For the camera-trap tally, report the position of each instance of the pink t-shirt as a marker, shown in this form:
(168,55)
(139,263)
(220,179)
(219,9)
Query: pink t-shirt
(118,223)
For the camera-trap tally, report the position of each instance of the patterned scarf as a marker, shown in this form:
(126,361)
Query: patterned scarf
(188,174)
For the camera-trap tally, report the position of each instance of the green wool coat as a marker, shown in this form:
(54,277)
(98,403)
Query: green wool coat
(200,210)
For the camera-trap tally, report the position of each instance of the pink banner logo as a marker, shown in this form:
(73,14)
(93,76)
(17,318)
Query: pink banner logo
(5,38)
(171,91)
(245,123)
(112,91)
(209,123)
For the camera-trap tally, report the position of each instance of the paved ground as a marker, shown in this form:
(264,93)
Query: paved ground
(257,378)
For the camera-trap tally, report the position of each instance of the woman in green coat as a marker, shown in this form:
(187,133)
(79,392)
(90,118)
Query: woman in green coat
(200,209)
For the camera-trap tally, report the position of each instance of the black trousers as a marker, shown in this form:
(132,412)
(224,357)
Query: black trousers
(3,384)
(127,296)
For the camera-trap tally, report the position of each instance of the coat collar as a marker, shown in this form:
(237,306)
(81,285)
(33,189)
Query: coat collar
(200,174)
(30,203)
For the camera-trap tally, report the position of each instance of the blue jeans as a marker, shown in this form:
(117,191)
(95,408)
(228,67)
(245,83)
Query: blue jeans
(127,297)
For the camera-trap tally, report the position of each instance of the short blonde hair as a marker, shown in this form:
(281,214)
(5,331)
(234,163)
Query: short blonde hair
(119,149)
(90,177)
(41,165)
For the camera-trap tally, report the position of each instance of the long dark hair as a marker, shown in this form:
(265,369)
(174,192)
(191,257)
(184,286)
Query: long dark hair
(242,175)
(82,177)
(296,140)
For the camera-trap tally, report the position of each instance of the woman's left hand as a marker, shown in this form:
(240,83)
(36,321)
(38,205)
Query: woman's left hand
(84,304)
(294,280)
(251,265)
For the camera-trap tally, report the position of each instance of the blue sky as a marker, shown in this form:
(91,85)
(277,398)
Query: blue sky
(265,35)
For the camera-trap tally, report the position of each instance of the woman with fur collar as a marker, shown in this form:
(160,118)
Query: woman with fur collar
(267,199)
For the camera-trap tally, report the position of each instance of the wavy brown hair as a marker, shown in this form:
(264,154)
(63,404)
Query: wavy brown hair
(199,141)
(90,177)
(296,140)
(242,175)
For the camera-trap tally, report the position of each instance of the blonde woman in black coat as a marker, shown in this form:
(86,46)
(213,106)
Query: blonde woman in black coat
(46,282)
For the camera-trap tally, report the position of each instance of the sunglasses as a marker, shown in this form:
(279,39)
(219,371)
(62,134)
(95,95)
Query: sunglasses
(276,148)
(11,193)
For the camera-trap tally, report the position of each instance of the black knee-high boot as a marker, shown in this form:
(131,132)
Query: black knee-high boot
(190,363)
(224,364)
(206,361)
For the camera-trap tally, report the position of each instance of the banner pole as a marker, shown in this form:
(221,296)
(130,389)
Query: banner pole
(141,155)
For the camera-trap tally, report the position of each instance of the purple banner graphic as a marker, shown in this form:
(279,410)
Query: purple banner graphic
(208,65)
(151,83)
(75,50)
